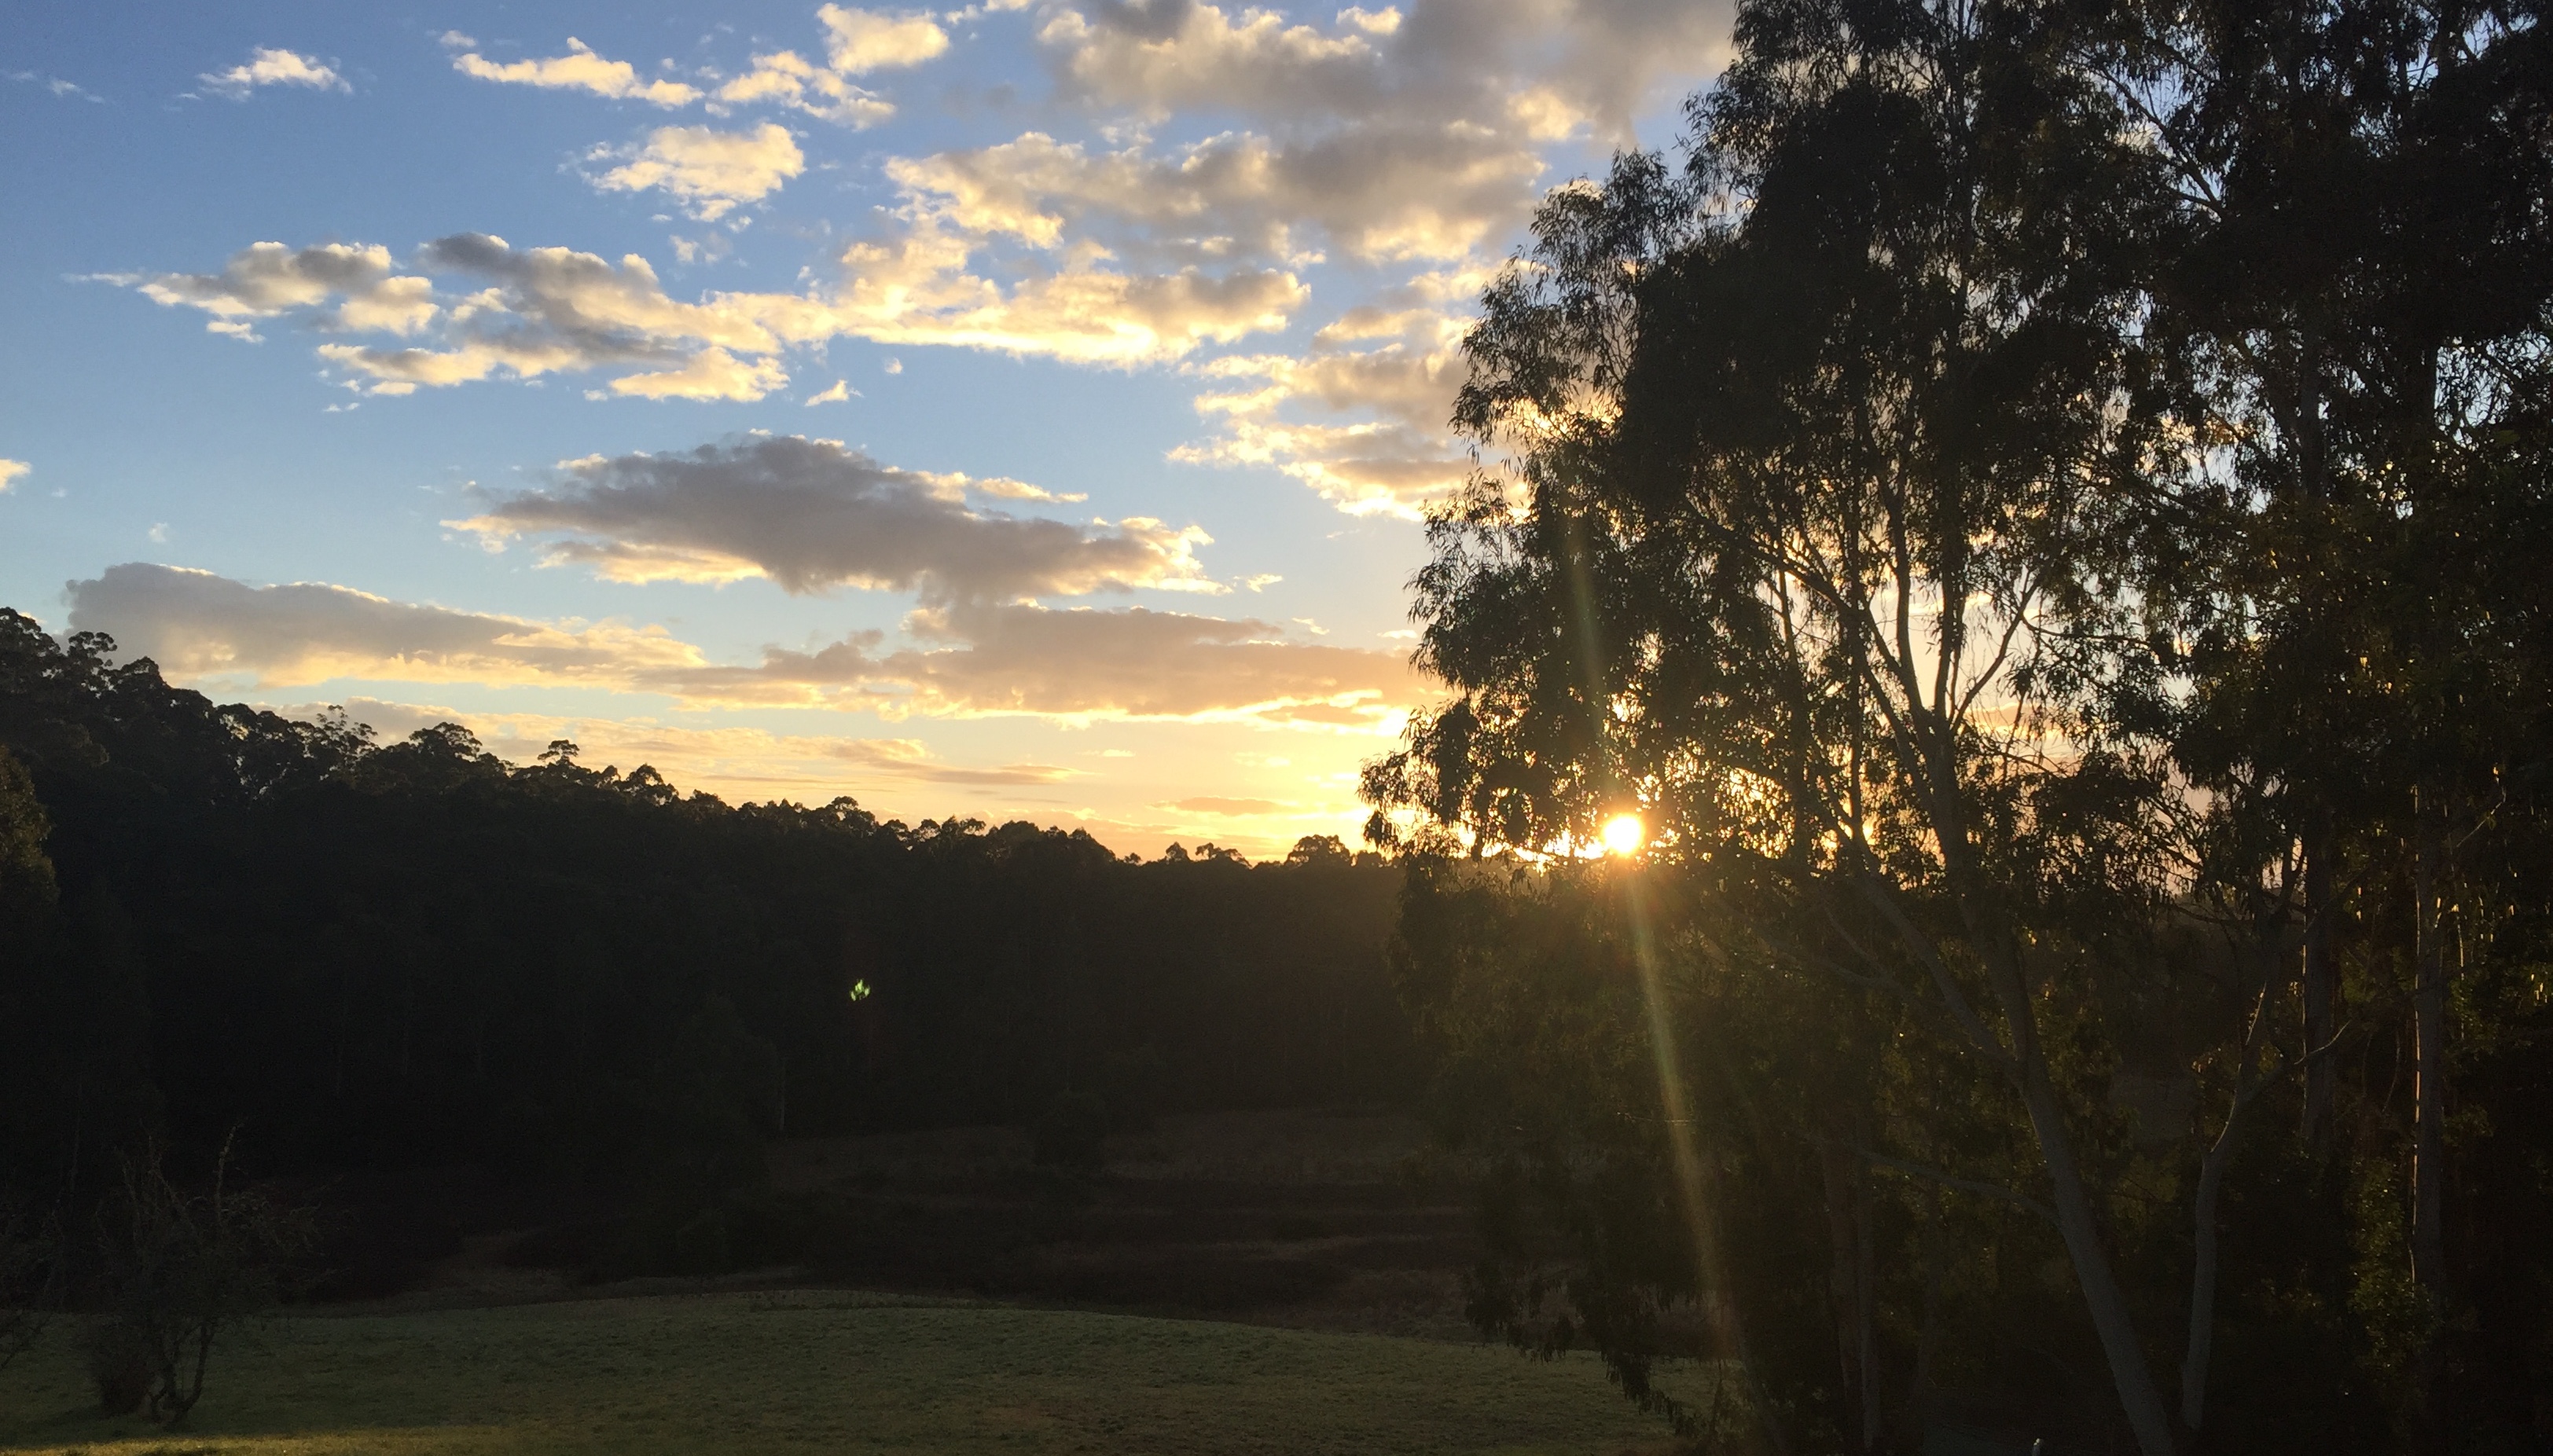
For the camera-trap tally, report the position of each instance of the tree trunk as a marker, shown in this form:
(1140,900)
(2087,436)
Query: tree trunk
(2320,991)
(1848,1278)
(2429,1043)
(2202,1286)
(2138,1394)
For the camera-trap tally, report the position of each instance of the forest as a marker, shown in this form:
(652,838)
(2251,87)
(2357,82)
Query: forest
(224,924)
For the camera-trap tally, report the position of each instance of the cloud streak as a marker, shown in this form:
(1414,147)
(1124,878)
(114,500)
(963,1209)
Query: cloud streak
(970,661)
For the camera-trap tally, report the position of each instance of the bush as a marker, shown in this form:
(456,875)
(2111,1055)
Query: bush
(180,1268)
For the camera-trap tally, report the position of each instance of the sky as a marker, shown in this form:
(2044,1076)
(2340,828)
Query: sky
(1023,411)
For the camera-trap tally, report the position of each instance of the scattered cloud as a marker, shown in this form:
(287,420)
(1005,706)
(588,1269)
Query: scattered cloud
(267,279)
(786,79)
(973,659)
(841,393)
(580,69)
(858,41)
(528,312)
(54,85)
(1368,428)
(709,171)
(813,516)
(10,471)
(269,66)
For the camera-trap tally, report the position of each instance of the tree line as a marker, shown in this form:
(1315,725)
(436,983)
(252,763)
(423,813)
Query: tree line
(217,924)
(2043,510)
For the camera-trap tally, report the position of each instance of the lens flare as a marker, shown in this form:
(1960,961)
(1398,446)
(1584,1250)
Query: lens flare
(1623,834)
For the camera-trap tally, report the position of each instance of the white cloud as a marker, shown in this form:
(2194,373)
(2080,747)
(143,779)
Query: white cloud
(708,170)
(861,41)
(267,66)
(813,516)
(577,70)
(1380,438)
(841,393)
(542,310)
(916,289)
(10,471)
(785,78)
(712,374)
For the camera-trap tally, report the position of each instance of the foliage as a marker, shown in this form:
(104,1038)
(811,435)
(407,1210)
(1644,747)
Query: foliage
(2033,525)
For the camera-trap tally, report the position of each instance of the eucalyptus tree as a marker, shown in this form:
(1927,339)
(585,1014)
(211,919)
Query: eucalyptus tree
(2359,281)
(1833,486)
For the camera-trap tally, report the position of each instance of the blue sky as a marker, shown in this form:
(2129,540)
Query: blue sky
(1014,412)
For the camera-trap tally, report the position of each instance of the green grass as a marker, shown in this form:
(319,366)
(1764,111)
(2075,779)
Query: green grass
(834,1372)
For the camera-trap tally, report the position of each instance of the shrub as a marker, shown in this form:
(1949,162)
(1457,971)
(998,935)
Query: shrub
(180,1268)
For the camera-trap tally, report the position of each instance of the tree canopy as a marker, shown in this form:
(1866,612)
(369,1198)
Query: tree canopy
(2036,514)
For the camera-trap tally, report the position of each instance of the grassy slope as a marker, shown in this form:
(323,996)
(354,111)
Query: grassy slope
(809,1372)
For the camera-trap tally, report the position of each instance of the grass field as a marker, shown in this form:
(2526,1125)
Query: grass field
(832,1372)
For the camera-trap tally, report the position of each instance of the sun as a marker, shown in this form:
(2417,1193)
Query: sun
(1624,834)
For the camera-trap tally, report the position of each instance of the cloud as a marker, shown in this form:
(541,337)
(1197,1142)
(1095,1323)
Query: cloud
(1021,659)
(552,309)
(861,41)
(10,471)
(1206,804)
(742,762)
(55,84)
(814,516)
(915,287)
(577,70)
(528,312)
(267,66)
(267,279)
(1425,190)
(1380,438)
(785,78)
(195,624)
(1539,68)
(712,374)
(709,171)
(976,659)
(841,393)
